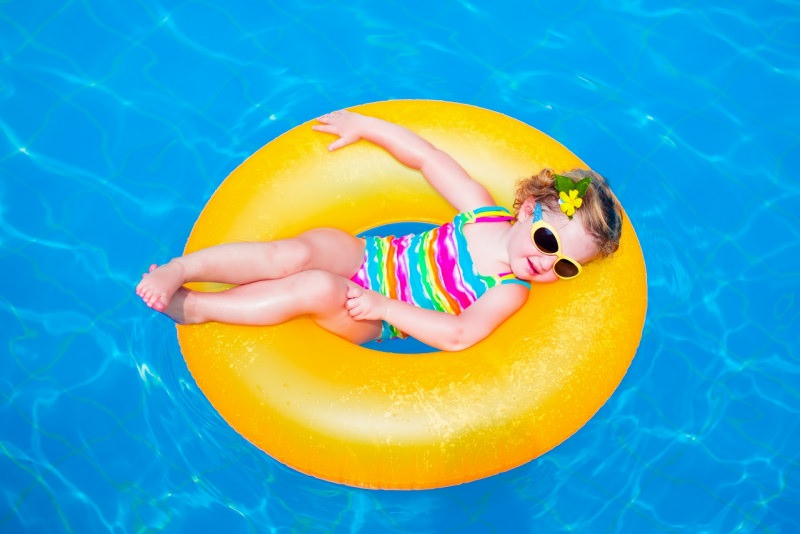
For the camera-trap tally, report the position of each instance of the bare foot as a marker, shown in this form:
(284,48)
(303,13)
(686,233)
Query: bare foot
(160,284)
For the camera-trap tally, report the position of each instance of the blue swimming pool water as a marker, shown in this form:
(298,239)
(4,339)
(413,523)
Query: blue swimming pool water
(119,119)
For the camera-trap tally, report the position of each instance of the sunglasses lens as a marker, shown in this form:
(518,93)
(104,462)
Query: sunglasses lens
(545,240)
(565,269)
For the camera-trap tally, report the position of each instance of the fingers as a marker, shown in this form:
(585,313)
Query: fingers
(332,116)
(339,143)
(364,305)
(325,128)
(337,123)
(354,303)
(356,313)
(354,308)
(326,120)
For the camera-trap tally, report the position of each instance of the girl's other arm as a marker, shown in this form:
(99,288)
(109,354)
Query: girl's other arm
(444,173)
(438,329)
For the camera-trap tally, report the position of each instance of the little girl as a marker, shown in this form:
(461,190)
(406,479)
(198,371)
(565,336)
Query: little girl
(449,287)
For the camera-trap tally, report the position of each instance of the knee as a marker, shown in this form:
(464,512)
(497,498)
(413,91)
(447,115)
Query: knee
(302,252)
(321,291)
(286,257)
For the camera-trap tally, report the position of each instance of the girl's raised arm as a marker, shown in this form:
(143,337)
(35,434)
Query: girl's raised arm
(444,174)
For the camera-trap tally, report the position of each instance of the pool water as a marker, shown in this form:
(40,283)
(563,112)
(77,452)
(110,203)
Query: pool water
(119,119)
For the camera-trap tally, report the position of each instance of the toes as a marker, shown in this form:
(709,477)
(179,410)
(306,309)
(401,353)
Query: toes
(151,293)
(157,301)
(140,290)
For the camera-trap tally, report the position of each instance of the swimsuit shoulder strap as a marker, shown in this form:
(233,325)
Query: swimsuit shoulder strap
(484,214)
(490,214)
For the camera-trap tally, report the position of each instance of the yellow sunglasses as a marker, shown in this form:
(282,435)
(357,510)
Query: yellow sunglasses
(546,240)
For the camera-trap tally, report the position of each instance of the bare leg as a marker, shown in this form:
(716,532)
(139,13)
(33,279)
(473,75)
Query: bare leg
(319,294)
(242,263)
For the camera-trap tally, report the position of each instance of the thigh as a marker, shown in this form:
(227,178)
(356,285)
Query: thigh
(333,250)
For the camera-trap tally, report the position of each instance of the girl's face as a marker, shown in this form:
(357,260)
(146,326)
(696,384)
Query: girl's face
(529,263)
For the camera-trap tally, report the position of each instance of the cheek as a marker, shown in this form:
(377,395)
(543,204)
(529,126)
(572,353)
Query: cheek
(525,245)
(546,278)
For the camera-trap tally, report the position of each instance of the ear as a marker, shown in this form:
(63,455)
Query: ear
(526,210)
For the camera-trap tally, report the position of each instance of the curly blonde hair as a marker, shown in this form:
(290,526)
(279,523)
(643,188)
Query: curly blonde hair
(601,212)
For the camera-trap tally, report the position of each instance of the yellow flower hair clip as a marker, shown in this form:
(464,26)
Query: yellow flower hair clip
(570,193)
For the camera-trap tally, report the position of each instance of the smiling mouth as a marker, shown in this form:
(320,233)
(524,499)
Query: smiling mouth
(533,269)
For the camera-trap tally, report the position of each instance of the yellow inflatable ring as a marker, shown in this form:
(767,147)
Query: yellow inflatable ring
(352,415)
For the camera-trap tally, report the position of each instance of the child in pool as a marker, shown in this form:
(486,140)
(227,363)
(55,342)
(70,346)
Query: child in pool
(449,287)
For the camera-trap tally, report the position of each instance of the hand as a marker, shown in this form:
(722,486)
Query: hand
(365,305)
(343,123)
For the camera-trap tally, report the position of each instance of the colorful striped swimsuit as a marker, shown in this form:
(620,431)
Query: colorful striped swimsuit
(432,270)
